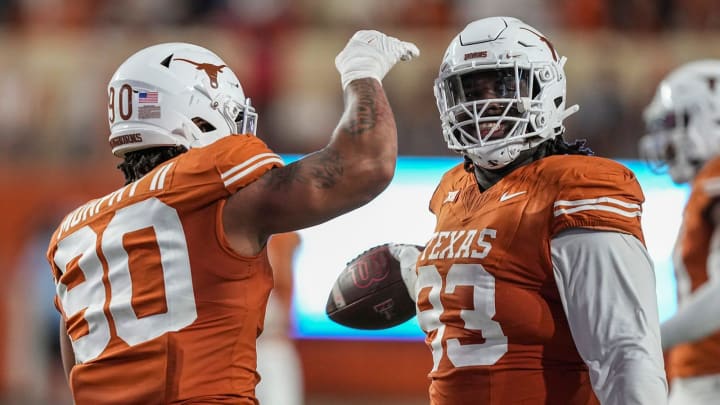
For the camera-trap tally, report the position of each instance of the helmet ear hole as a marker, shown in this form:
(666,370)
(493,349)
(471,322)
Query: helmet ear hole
(686,118)
(203,125)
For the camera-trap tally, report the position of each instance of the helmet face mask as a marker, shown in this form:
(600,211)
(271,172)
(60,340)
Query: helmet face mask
(683,121)
(657,150)
(175,94)
(501,90)
(483,105)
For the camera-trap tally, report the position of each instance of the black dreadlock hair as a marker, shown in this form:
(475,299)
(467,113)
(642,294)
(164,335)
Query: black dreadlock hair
(138,163)
(560,147)
(557,146)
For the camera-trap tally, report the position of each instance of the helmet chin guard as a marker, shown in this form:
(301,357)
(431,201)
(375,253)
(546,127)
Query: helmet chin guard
(500,90)
(494,156)
(175,94)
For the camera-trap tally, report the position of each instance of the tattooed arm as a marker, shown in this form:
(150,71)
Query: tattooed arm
(356,165)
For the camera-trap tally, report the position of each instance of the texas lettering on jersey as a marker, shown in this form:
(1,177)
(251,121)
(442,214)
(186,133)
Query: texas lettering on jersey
(459,244)
(690,261)
(158,307)
(487,297)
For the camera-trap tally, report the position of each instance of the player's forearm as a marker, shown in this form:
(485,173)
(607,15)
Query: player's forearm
(696,318)
(365,140)
(366,137)
(357,164)
(697,315)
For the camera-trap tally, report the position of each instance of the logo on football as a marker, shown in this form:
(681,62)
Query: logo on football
(369,270)
(369,292)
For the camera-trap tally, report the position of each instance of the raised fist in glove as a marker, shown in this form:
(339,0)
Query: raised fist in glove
(407,255)
(371,54)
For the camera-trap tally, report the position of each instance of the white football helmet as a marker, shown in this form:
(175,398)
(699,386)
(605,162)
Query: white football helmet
(683,120)
(175,94)
(500,90)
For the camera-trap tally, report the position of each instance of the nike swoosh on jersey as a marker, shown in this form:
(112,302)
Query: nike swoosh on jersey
(507,196)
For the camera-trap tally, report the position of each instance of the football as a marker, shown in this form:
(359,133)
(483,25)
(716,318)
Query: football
(370,293)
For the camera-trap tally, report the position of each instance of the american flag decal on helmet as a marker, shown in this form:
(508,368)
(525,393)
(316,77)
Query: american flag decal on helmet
(146,97)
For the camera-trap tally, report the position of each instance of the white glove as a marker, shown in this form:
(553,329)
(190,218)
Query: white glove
(371,54)
(407,255)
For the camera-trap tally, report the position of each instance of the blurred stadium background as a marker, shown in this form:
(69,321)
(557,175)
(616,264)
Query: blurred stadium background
(56,57)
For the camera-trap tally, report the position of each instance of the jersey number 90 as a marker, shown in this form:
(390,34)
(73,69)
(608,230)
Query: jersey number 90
(81,251)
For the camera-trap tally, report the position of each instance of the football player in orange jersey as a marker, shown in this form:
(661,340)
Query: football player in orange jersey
(278,360)
(536,287)
(683,123)
(159,304)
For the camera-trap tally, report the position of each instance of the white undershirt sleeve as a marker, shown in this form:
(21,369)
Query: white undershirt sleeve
(607,287)
(697,316)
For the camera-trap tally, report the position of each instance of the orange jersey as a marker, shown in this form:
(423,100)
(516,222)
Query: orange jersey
(158,306)
(281,250)
(487,297)
(690,259)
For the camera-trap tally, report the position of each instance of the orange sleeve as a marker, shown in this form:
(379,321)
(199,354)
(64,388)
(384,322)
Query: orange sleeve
(213,172)
(241,159)
(706,186)
(600,194)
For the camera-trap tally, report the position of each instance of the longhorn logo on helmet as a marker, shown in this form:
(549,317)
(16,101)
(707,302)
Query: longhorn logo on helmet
(209,69)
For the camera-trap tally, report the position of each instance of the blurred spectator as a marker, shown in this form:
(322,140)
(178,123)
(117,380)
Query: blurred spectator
(624,15)
(701,15)
(536,12)
(148,14)
(8,12)
(424,13)
(54,60)
(17,119)
(259,13)
(586,14)
(634,15)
